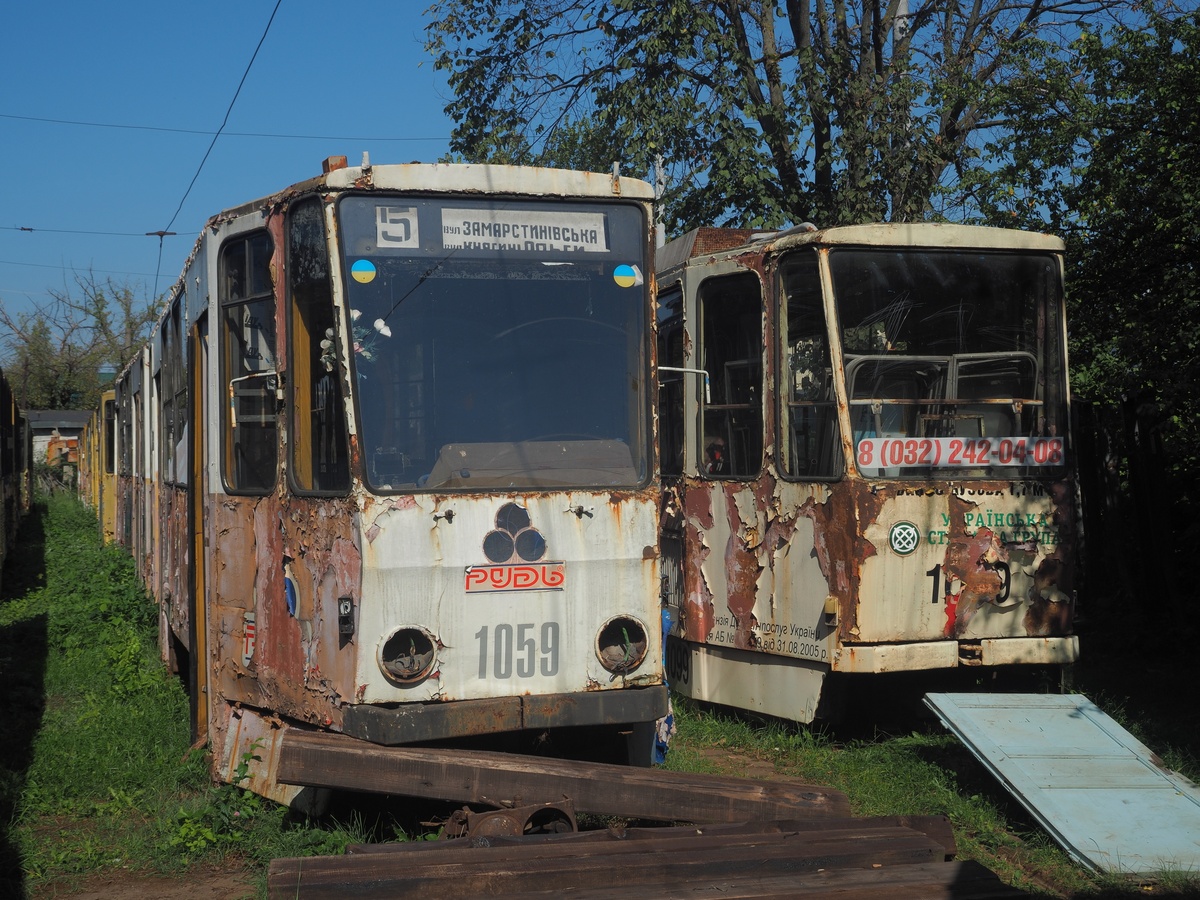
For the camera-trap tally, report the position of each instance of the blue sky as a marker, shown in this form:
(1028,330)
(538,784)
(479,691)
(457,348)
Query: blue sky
(155,79)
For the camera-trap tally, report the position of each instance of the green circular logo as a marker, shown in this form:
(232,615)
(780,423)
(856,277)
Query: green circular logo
(904,538)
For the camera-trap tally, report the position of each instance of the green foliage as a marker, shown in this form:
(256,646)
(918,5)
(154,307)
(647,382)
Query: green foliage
(765,113)
(54,357)
(95,766)
(918,773)
(224,821)
(1105,150)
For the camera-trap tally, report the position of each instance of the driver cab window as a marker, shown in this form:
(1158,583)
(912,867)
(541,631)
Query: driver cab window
(248,336)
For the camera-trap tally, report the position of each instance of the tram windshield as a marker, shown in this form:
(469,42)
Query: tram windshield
(953,360)
(497,343)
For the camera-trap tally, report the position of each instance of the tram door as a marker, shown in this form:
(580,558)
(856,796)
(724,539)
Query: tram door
(196,492)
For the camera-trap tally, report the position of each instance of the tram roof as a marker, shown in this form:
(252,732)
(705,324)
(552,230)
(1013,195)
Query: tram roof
(460,178)
(714,241)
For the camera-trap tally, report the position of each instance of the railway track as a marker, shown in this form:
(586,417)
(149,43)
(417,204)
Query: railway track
(743,838)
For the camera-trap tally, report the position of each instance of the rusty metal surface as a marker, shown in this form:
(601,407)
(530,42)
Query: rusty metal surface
(539,818)
(420,546)
(173,553)
(801,578)
(412,722)
(289,659)
(477,179)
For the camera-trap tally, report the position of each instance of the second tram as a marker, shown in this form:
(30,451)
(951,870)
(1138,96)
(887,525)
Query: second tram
(866,459)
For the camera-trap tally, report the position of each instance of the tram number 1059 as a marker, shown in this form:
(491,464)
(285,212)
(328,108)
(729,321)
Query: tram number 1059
(522,650)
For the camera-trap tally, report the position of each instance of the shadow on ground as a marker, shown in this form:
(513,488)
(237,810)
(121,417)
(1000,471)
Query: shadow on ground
(23,647)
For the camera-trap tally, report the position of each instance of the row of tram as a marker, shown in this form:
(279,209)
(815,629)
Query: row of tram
(425,453)
(16,472)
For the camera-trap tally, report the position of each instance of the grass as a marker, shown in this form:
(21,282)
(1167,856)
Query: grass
(97,776)
(96,771)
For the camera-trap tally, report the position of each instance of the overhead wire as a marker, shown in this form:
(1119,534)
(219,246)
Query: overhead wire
(163,232)
(249,134)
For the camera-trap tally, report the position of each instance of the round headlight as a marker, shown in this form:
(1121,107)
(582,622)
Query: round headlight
(408,655)
(621,644)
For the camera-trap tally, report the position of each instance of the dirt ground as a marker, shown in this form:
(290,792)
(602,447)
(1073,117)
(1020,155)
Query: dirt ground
(207,884)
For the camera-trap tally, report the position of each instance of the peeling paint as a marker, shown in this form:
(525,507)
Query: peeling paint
(849,573)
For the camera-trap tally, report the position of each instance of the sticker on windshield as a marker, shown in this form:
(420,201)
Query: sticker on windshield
(363,271)
(627,276)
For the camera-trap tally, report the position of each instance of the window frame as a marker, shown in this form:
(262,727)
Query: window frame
(265,293)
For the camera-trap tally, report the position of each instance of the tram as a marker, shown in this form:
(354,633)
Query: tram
(866,460)
(97,464)
(16,473)
(388,464)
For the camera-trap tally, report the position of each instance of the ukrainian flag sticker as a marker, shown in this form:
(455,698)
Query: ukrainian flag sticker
(363,271)
(627,276)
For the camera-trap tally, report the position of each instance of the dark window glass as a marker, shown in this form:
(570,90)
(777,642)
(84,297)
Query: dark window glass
(498,344)
(248,332)
(671,383)
(810,442)
(731,349)
(320,455)
(110,436)
(953,360)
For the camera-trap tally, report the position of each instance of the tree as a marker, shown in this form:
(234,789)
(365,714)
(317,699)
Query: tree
(1106,152)
(55,355)
(1113,164)
(768,112)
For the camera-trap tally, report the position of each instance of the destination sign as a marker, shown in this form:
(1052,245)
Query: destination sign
(512,229)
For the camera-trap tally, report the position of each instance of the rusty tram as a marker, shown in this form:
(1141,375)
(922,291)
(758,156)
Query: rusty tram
(866,460)
(388,464)
(16,468)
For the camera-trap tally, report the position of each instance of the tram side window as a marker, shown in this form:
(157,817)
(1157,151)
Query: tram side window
(110,436)
(811,445)
(731,353)
(320,456)
(125,421)
(173,391)
(671,383)
(166,393)
(248,330)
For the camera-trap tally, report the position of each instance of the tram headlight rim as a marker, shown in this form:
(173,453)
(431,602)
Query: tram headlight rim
(423,653)
(638,638)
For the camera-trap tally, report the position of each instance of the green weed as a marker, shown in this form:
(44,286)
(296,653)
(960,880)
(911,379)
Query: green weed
(105,760)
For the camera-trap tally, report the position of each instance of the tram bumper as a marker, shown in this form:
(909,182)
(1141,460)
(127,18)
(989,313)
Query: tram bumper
(411,722)
(917,656)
